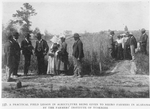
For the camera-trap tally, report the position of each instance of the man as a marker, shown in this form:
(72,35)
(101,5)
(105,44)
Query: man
(41,50)
(111,44)
(8,50)
(143,41)
(77,55)
(126,51)
(27,48)
(133,45)
(16,53)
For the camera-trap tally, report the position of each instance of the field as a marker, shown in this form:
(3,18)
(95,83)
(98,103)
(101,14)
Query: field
(94,84)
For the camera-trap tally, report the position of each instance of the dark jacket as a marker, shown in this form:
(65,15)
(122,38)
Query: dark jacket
(16,49)
(133,41)
(41,49)
(8,50)
(26,47)
(78,49)
(143,39)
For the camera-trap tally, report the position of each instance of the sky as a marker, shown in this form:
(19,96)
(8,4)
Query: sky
(55,17)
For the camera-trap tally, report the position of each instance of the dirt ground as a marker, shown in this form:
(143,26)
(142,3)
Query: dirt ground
(117,78)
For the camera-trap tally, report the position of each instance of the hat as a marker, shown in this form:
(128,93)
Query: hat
(112,32)
(76,35)
(15,34)
(38,34)
(62,36)
(130,34)
(27,35)
(54,39)
(143,30)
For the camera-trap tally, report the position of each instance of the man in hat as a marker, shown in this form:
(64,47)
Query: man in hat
(27,48)
(143,41)
(133,45)
(111,44)
(16,53)
(77,55)
(8,50)
(41,49)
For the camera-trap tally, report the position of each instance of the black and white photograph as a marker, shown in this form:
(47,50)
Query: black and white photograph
(75,49)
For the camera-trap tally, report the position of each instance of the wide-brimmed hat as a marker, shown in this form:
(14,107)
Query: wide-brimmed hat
(112,32)
(76,35)
(38,34)
(143,30)
(15,33)
(62,36)
(130,34)
(54,39)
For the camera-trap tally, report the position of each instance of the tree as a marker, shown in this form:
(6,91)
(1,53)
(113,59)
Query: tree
(47,35)
(125,28)
(23,17)
(8,30)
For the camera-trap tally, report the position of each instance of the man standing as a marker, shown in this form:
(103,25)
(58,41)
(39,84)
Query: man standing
(143,41)
(133,45)
(16,53)
(8,50)
(77,55)
(27,48)
(111,44)
(41,50)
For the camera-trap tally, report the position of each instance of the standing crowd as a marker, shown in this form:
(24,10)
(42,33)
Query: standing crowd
(124,47)
(57,55)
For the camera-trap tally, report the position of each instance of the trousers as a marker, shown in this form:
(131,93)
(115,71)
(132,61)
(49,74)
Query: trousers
(27,63)
(41,64)
(77,67)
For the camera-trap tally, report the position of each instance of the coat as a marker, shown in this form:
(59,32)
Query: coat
(143,39)
(41,48)
(110,42)
(78,49)
(26,47)
(16,49)
(8,50)
(133,41)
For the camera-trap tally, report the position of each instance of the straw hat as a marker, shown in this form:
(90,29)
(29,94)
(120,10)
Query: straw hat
(54,39)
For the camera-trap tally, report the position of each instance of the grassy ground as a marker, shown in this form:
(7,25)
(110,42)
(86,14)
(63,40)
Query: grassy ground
(75,92)
(117,84)
(142,62)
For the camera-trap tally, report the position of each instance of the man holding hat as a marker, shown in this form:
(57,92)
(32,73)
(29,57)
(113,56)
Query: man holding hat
(41,49)
(16,53)
(27,48)
(143,41)
(77,55)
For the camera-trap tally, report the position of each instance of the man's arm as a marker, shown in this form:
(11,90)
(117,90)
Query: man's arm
(80,48)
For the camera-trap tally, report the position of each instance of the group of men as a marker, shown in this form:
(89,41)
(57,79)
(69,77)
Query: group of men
(13,51)
(125,46)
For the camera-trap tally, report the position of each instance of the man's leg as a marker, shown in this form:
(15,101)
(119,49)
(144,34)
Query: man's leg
(79,67)
(27,63)
(38,61)
(75,66)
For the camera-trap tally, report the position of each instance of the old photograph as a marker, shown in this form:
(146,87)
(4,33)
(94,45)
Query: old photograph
(75,49)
